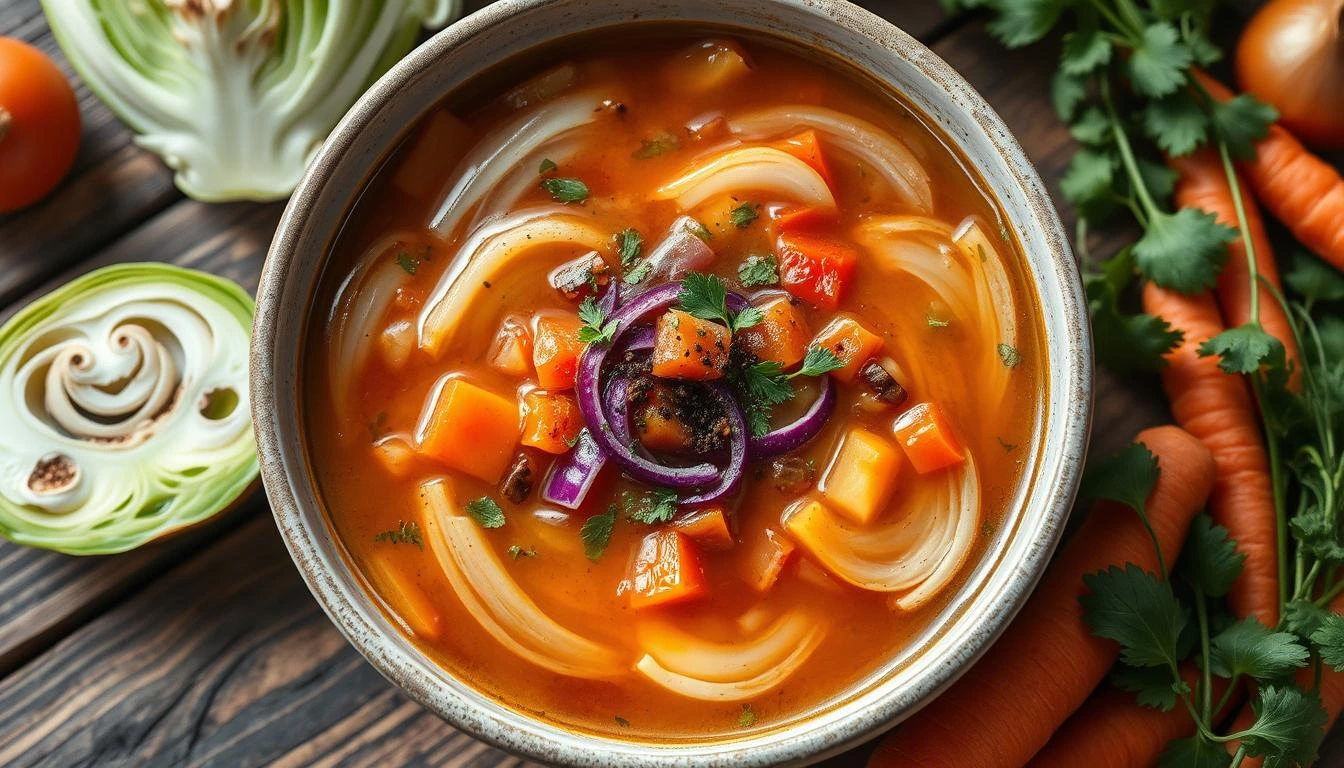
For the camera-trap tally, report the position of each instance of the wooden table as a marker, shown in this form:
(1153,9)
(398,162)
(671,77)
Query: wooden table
(208,649)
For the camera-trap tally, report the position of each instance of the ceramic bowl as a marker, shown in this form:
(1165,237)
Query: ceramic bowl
(995,587)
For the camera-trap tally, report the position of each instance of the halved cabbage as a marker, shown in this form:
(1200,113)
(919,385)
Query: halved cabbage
(496,601)
(124,405)
(763,169)
(236,95)
(918,554)
(765,656)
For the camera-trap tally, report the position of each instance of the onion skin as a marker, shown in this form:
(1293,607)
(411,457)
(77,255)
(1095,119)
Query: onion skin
(1291,55)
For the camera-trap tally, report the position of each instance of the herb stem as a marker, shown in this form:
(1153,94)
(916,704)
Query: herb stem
(1252,263)
(1127,154)
(1227,694)
(1110,15)
(1238,757)
(1206,685)
(1330,594)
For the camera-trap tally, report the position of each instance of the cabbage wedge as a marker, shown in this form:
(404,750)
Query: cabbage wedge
(236,95)
(124,401)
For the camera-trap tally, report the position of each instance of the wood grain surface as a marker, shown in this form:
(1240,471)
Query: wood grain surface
(207,649)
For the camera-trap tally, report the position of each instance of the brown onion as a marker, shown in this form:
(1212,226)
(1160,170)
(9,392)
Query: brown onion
(1291,55)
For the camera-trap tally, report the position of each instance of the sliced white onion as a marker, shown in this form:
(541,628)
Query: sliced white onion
(685,664)
(507,148)
(495,600)
(490,250)
(884,153)
(921,552)
(362,303)
(754,169)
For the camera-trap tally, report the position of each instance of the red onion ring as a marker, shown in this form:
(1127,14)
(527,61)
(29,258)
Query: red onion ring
(806,427)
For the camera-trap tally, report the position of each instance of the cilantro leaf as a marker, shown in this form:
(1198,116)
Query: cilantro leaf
(1125,342)
(404,533)
(654,146)
(1066,93)
(695,227)
(657,506)
(487,512)
(758,270)
(516,551)
(1194,752)
(1244,349)
(637,275)
(1158,178)
(1092,127)
(1250,648)
(1154,686)
(748,317)
(1242,121)
(1089,183)
(1125,477)
(743,215)
(1317,533)
(630,243)
(1210,560)
(1303,617)
(1314,279)
(704,296)
(1176,123)
(818,361)
(747,718)
(547,165)
(1130,606)
(1329,638)
(1289,725)
(1024,22)
(566,191)
(1183,251)
(766,383)
(407,262)
(596,328)
(758,419)
(596,533)
(1159,62)
(1009,356)
(1084,51)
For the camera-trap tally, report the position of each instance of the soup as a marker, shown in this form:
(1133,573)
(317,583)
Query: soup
(671,382)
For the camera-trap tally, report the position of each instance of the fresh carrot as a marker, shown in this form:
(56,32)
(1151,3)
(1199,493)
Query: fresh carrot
(1203,185)
(1006,707)
(666,570)
(925,434)
(1300,189)
(1216,407)
(851,343)
(687,347)
(1112,730)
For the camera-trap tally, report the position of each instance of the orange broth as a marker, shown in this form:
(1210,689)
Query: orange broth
(661,77)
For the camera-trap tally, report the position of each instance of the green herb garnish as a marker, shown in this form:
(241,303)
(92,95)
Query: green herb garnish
(596,328)
(566,191)
(629,244)
(1009,355)
(656,506)
(758,270)
(704,296)
(764,385)
(744,214)
(404,533)
(547,166)
(487,512)
(699,230)
(407,262)
(596,533)
(658,145)
(516,551)
(747,718)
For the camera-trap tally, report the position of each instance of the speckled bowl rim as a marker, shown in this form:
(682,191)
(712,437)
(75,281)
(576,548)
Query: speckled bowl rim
(1005,578)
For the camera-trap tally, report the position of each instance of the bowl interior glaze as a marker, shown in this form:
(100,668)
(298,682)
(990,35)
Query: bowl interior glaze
(994,588)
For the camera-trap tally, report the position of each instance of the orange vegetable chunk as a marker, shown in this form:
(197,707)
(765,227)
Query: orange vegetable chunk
(926,436)
(413,607)
(815,269)
(556,349)
(781,336)
(657,425)
(706,66)
(666,570)
(511,350)
(708,526)
(766,559)
(434,151)
(861,478)
(551,421)
(470,429)
(801,218)
(851,342)
(806,147)
(686,347)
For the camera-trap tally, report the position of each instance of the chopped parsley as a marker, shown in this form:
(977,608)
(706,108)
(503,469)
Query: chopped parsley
(487,512)
(744,214)
(699,230)
(566,191)
(657,145)
(408,262)
(758,270)
(547,166)
(404,533)
(766,385)
(621,721)
(747,718)
(935,322)
(654,507)
(630,244)
(596,533)
(596,328)
(637,275)
(1009,355)
(705,297)
(516,551)
(378,427)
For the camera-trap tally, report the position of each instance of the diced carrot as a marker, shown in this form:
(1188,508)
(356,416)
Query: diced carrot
(853,344)
(666,570)
(657,424)
(926,435)
(470,429)
(806,147)
(815,269)
(766,559)
(551,421)
(408,601)
(860,479)
(687,347)
(396,455)
(556,348)
(433,153)
(708,526)
(782,335)
(801,218)
(511,351)
(706,66)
